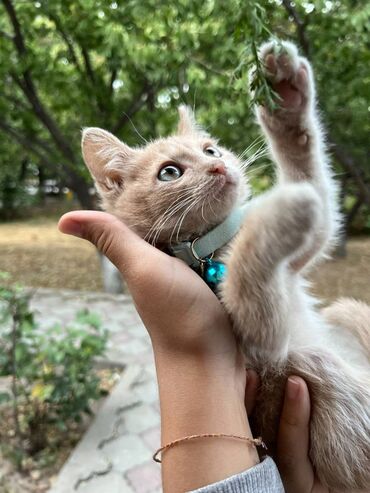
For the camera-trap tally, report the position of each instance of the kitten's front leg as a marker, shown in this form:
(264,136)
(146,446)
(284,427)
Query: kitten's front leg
(294,134)
(259,289)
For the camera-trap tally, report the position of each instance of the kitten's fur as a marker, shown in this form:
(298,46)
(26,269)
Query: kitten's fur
(286,230)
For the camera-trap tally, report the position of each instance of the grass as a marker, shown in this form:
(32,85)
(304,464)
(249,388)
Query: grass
(37,255)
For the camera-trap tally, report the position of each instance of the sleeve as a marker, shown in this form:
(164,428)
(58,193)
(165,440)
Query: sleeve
(263,478)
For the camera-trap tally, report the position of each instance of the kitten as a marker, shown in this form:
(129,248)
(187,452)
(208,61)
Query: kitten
(177,188)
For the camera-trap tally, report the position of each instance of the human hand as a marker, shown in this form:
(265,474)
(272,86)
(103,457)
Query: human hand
(179,311)
(293,461)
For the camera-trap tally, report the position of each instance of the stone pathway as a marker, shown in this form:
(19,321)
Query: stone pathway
(115,455)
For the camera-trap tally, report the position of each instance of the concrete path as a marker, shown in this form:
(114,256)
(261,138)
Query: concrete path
(115,455)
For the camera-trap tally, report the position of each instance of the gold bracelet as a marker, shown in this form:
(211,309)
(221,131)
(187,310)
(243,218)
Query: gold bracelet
(258,442)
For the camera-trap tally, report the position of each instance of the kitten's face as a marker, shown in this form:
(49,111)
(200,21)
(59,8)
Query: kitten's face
(172,189)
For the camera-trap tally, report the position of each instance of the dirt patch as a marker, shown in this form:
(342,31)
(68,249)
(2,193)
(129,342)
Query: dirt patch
(349,276)
(37,255)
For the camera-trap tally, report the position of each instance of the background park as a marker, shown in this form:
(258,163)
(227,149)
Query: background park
(125,66)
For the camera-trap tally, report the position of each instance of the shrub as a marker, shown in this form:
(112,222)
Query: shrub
(51,373)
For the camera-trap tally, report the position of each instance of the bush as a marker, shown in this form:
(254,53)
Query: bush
(51,373)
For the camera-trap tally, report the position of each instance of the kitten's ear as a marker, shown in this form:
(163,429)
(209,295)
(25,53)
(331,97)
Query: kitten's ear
(106,157)
(187,124)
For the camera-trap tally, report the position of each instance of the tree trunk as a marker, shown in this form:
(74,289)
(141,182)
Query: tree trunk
(79,186)
(112,279)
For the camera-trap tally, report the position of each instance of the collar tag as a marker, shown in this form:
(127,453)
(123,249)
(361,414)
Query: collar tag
(183,252)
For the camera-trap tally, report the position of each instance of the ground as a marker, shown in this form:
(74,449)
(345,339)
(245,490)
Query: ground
(37,255)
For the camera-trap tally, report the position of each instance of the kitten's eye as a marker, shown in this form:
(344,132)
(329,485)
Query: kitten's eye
(212,151)
(169,173)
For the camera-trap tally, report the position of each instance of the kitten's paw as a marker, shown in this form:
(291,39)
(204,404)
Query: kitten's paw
(291,78)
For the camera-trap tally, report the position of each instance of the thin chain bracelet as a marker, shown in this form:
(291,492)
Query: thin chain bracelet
(258,442)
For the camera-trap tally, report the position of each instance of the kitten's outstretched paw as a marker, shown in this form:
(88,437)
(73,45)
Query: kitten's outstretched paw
(291,78)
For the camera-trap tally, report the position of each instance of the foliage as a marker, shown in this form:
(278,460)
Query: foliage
(52,377)
(104,63)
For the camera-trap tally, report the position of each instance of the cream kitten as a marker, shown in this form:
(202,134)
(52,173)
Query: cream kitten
(180,187)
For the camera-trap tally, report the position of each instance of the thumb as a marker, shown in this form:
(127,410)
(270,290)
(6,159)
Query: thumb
(111,237)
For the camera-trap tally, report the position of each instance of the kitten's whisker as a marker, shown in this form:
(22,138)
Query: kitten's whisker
(159,225)
(249,163)
(182,218)
(181,196)
(258,155)
(133,126)
(184,204)
(179,222)
(177,203)
(260,143)
(257,141)
(257,169)
(202,211)
(262,149)
(174,192)
(210,206)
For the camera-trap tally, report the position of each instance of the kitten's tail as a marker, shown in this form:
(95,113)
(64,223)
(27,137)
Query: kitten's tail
(353,316)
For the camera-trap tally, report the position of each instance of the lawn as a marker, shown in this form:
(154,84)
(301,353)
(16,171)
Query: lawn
(37,255)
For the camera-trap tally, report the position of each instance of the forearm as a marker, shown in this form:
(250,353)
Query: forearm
(198,397)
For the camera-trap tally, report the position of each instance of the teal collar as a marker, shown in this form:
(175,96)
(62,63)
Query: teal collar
(205,246)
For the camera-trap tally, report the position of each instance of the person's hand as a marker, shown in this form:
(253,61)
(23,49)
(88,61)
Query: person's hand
(180,312)
(294,464)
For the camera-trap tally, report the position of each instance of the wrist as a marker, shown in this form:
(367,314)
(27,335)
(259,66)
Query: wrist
(218,372)
(199,395)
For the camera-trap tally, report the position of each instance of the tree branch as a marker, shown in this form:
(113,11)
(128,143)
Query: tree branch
(26,143)
(134,108)
(301,27)
(21,105)
(66,39)
(88,65)
(27,86)
(5,35)
(348,163)
(93,79)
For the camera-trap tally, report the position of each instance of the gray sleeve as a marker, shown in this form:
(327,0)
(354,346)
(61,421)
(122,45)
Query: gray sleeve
(263,478)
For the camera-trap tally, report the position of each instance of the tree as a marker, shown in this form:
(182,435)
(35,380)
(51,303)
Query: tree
(73,63)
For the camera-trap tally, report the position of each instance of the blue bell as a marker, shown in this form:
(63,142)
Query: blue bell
(214,273)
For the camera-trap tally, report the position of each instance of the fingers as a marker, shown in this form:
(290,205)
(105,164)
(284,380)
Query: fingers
(251,388)
(111,237)
(293,439)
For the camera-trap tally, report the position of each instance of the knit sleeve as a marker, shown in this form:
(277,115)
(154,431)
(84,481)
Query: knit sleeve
(264,477)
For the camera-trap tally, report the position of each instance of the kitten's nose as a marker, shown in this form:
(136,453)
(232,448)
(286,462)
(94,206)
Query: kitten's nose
(218,169)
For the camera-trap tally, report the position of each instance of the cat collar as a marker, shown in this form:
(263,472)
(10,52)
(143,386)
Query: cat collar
(199,252)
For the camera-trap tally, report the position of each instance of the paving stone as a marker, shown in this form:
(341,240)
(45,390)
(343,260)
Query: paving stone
(145,478)
(141,418)
(127,451)
(152,438)
(113,482)
(147,391)
(115,455)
